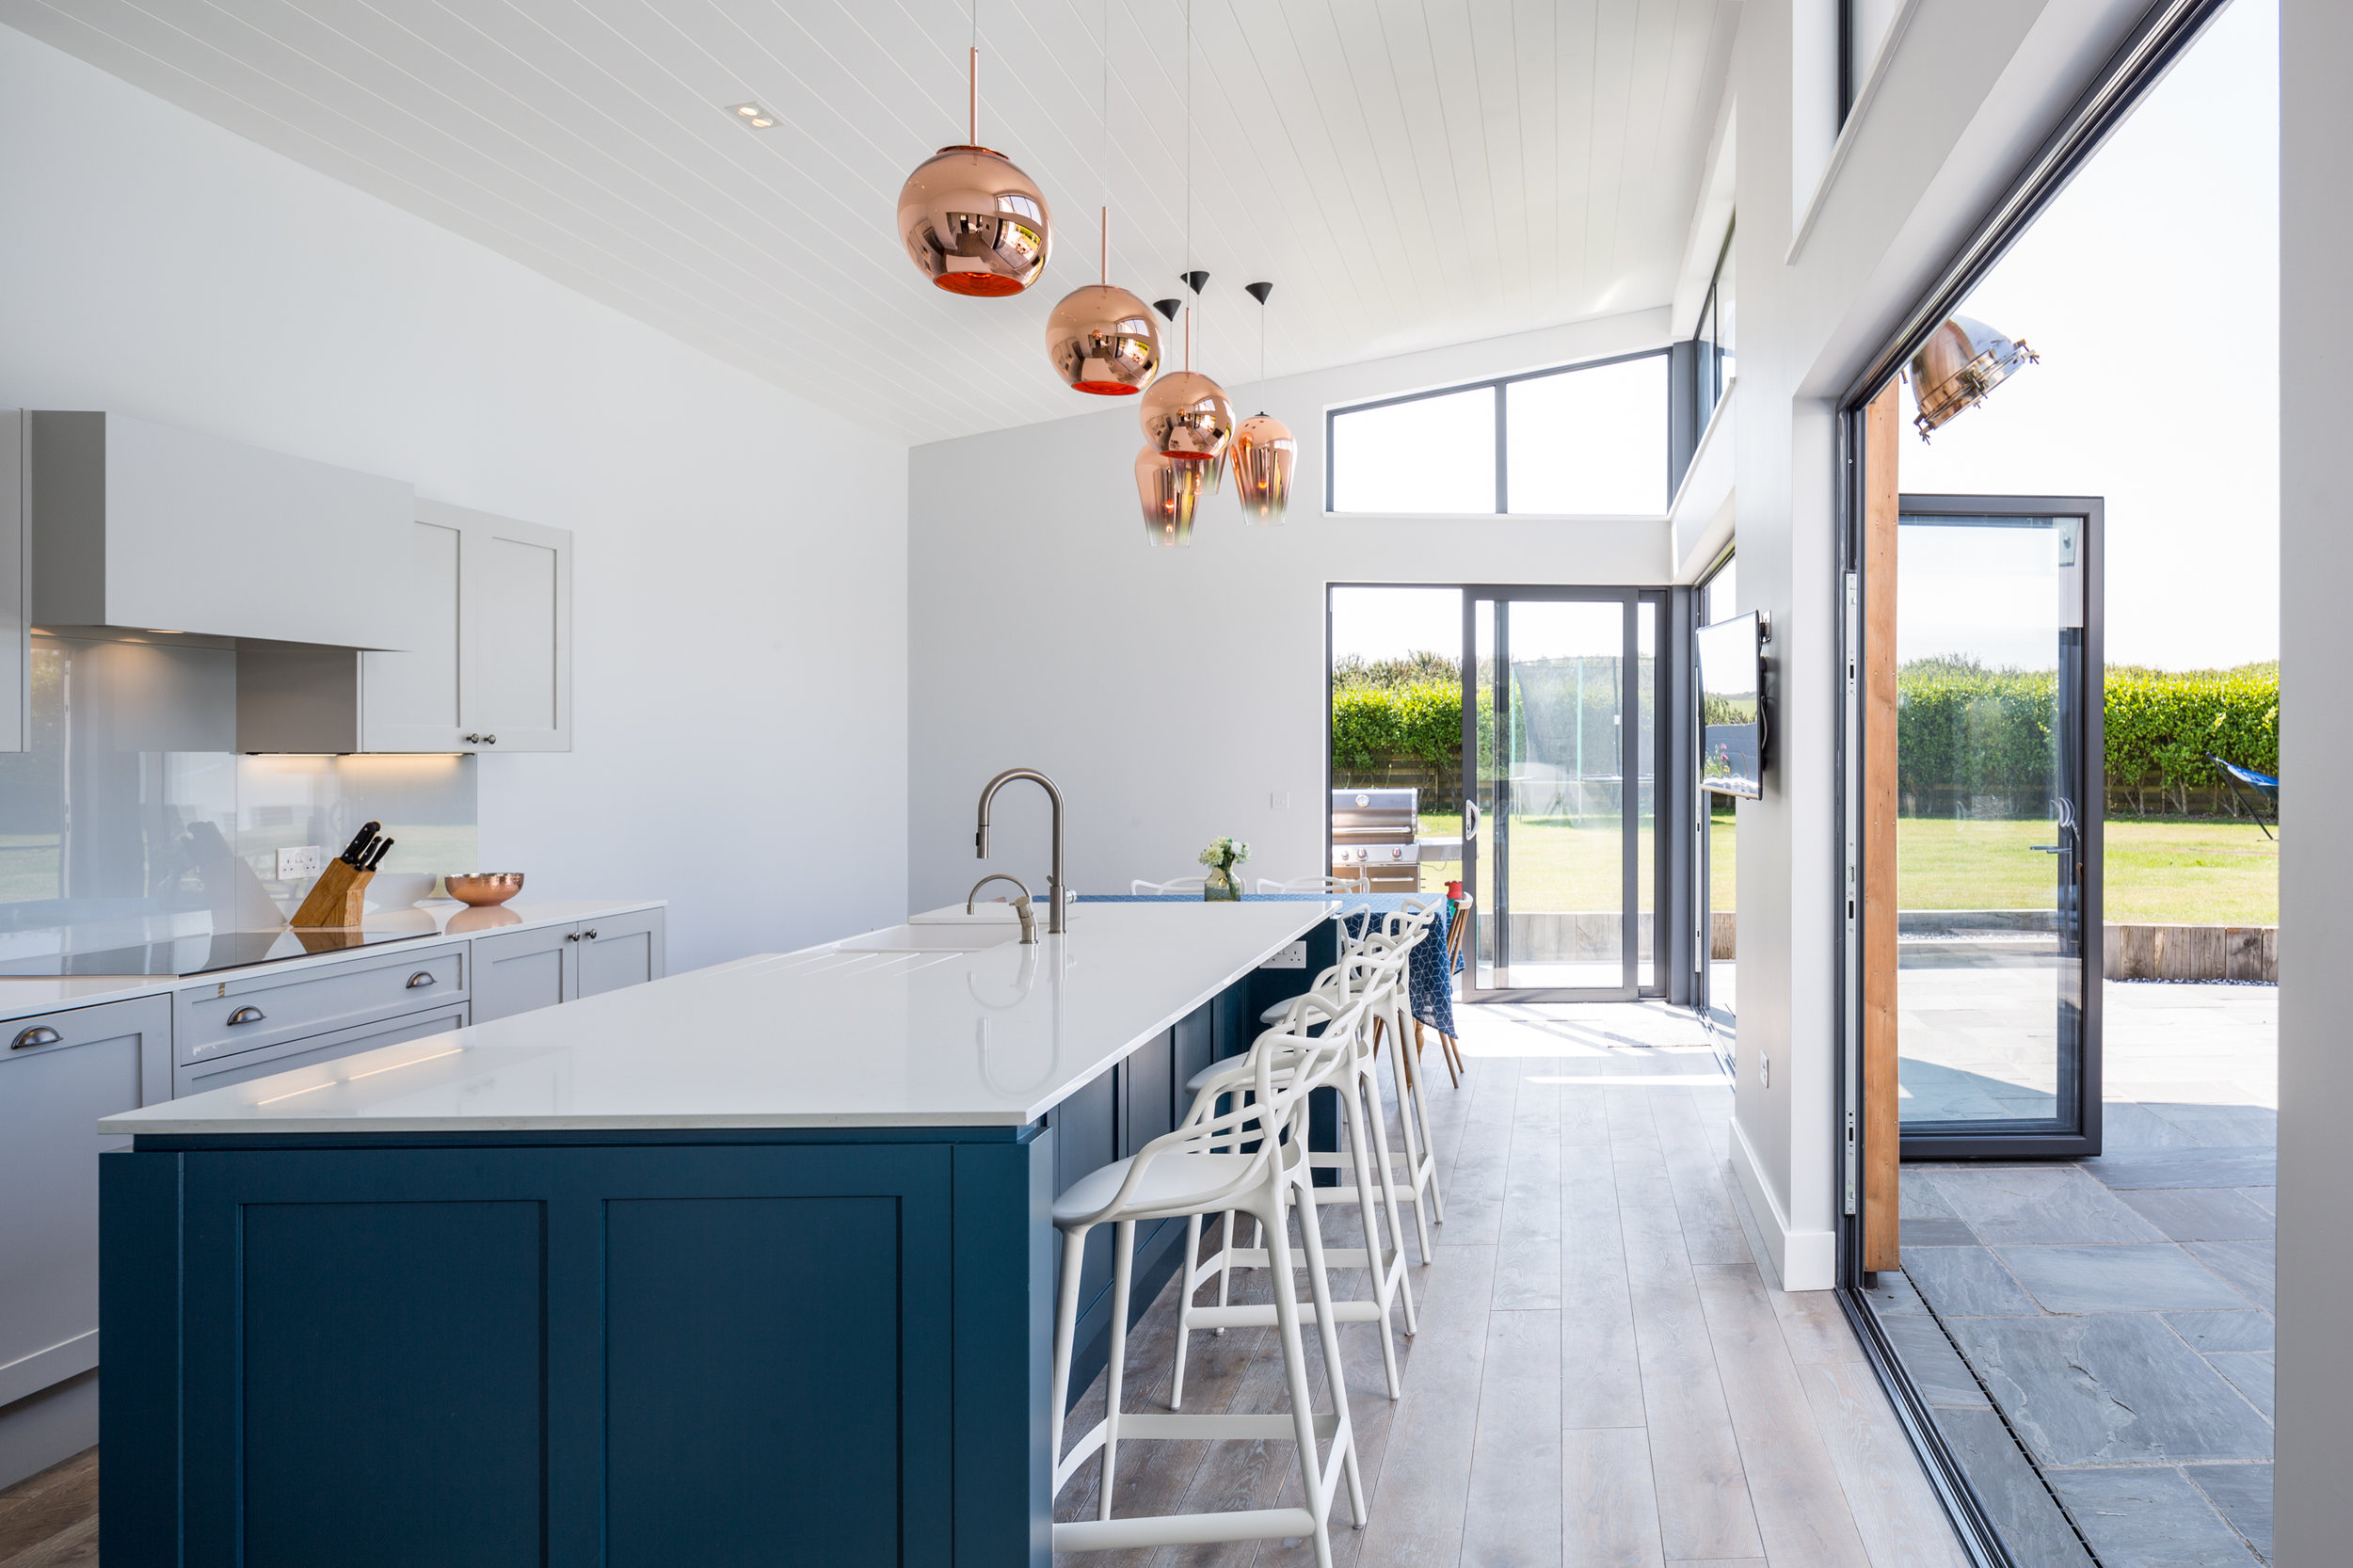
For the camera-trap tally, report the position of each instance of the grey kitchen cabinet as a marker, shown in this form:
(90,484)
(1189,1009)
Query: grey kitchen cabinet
(145,526)
(59,1073)
(489,667)
(312,1050)
(618,950)
(265,1017)
(519,970)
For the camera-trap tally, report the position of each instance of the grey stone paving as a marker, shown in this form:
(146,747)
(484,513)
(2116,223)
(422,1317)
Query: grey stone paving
(2117,1309)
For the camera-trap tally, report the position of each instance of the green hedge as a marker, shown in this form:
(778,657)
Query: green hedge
(1959,726)
(1371,724)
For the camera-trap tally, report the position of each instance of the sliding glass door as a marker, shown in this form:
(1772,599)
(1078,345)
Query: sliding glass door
(1997,826)
(1561,744)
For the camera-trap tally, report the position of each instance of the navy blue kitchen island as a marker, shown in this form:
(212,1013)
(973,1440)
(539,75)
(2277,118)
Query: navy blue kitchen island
(749,1265)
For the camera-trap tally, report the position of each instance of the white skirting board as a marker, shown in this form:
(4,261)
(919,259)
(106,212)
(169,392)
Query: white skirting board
(1804,1259)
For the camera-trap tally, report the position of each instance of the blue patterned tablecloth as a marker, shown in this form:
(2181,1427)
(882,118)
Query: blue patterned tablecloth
(1431,987)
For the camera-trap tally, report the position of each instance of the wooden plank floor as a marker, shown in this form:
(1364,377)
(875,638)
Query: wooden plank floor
(1605,1375)
(52,1518)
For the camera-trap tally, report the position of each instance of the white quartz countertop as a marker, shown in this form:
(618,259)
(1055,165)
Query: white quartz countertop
(441,919)
(832,1037)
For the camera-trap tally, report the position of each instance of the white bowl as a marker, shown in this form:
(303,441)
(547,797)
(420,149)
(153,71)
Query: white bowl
(400,889)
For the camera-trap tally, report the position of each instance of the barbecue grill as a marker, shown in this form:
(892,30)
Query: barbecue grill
(1373,837)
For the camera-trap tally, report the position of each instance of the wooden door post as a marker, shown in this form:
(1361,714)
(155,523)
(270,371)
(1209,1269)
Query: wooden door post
(1882,1198)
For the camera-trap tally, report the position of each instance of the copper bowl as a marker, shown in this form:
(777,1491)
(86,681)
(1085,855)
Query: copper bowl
(483,889)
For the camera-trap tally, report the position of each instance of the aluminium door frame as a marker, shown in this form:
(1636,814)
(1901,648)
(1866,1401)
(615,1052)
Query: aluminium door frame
(1985,1140)
(1632,986)
(2163,34)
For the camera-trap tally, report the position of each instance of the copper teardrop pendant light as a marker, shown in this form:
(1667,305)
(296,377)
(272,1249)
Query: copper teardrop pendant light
(1264,449)
(972,222)
(1169,492)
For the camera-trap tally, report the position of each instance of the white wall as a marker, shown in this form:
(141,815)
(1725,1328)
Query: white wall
(740,611)
(1970,88)
(1172,693)
(2314,1505)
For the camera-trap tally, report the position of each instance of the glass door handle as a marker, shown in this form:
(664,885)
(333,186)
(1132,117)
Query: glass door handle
(1470,818)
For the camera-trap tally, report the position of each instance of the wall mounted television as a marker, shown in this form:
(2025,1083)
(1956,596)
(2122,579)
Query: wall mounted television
(1731,710)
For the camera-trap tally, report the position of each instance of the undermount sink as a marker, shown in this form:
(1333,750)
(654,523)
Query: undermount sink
(931,939)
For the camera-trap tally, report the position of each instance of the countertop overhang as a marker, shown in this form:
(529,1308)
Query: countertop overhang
(820,1038)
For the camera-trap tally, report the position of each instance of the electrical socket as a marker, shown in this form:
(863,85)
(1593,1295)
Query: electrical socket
(295,864)
(1292,957)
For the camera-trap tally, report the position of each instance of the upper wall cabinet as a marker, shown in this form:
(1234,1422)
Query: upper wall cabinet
(490,669)
(142,525)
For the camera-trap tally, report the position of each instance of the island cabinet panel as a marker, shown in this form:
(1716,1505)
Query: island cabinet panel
(623,1355)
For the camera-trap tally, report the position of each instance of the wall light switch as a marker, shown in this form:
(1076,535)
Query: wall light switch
(295,864)
(1280,800)
(1292,957)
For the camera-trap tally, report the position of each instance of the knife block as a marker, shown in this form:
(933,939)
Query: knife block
(336,899)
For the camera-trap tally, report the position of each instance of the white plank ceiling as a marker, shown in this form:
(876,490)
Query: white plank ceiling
(1408,173)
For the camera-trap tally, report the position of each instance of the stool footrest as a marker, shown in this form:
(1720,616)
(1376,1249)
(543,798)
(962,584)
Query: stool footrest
(1178,1427)
(1261,1315)
(1256,1257)
(1183,1529)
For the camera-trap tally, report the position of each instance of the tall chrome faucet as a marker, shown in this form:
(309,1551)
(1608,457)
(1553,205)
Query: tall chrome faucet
(980,840)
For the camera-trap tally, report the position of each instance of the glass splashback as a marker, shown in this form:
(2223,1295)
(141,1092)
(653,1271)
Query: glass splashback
(123,817)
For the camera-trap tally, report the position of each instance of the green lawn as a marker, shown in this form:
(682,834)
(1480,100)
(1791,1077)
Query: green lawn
(2198,873)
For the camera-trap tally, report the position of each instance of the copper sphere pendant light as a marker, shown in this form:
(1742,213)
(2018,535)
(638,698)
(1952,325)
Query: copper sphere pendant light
(1264,449)
(1103,340)
(972,222)
(1187,417)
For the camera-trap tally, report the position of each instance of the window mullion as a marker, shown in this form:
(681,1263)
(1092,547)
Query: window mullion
(1503,456)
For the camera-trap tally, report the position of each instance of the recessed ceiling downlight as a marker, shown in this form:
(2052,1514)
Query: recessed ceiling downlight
(752,115)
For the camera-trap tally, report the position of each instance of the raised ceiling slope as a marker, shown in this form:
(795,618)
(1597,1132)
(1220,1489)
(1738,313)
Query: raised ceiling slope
(1408,172)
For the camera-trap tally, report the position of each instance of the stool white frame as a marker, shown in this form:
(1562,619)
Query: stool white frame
(1315,885)
(1174,885)
(1364,1133)
(1421,1186)
(1259,1148)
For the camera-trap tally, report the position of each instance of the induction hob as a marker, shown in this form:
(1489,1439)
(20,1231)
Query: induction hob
(202,953)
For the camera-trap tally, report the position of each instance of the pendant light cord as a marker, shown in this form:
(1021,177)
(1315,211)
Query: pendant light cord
(973,101)
(1103,163)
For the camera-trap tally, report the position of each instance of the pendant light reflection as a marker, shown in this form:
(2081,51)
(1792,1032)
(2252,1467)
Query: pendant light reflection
(972,221)
(1187,417)
(1168,492)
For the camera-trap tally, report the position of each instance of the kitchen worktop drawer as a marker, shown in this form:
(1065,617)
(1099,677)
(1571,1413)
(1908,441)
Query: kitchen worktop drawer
(315,1049)
(231,1017)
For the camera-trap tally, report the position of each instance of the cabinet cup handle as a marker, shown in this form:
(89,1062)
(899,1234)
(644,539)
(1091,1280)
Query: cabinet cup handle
(248,1015)
(423,977)
(40,1034)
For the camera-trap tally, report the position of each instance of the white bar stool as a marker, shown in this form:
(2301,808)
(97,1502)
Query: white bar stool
(1251,1158)
(1413,1091)
(1366,1136)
